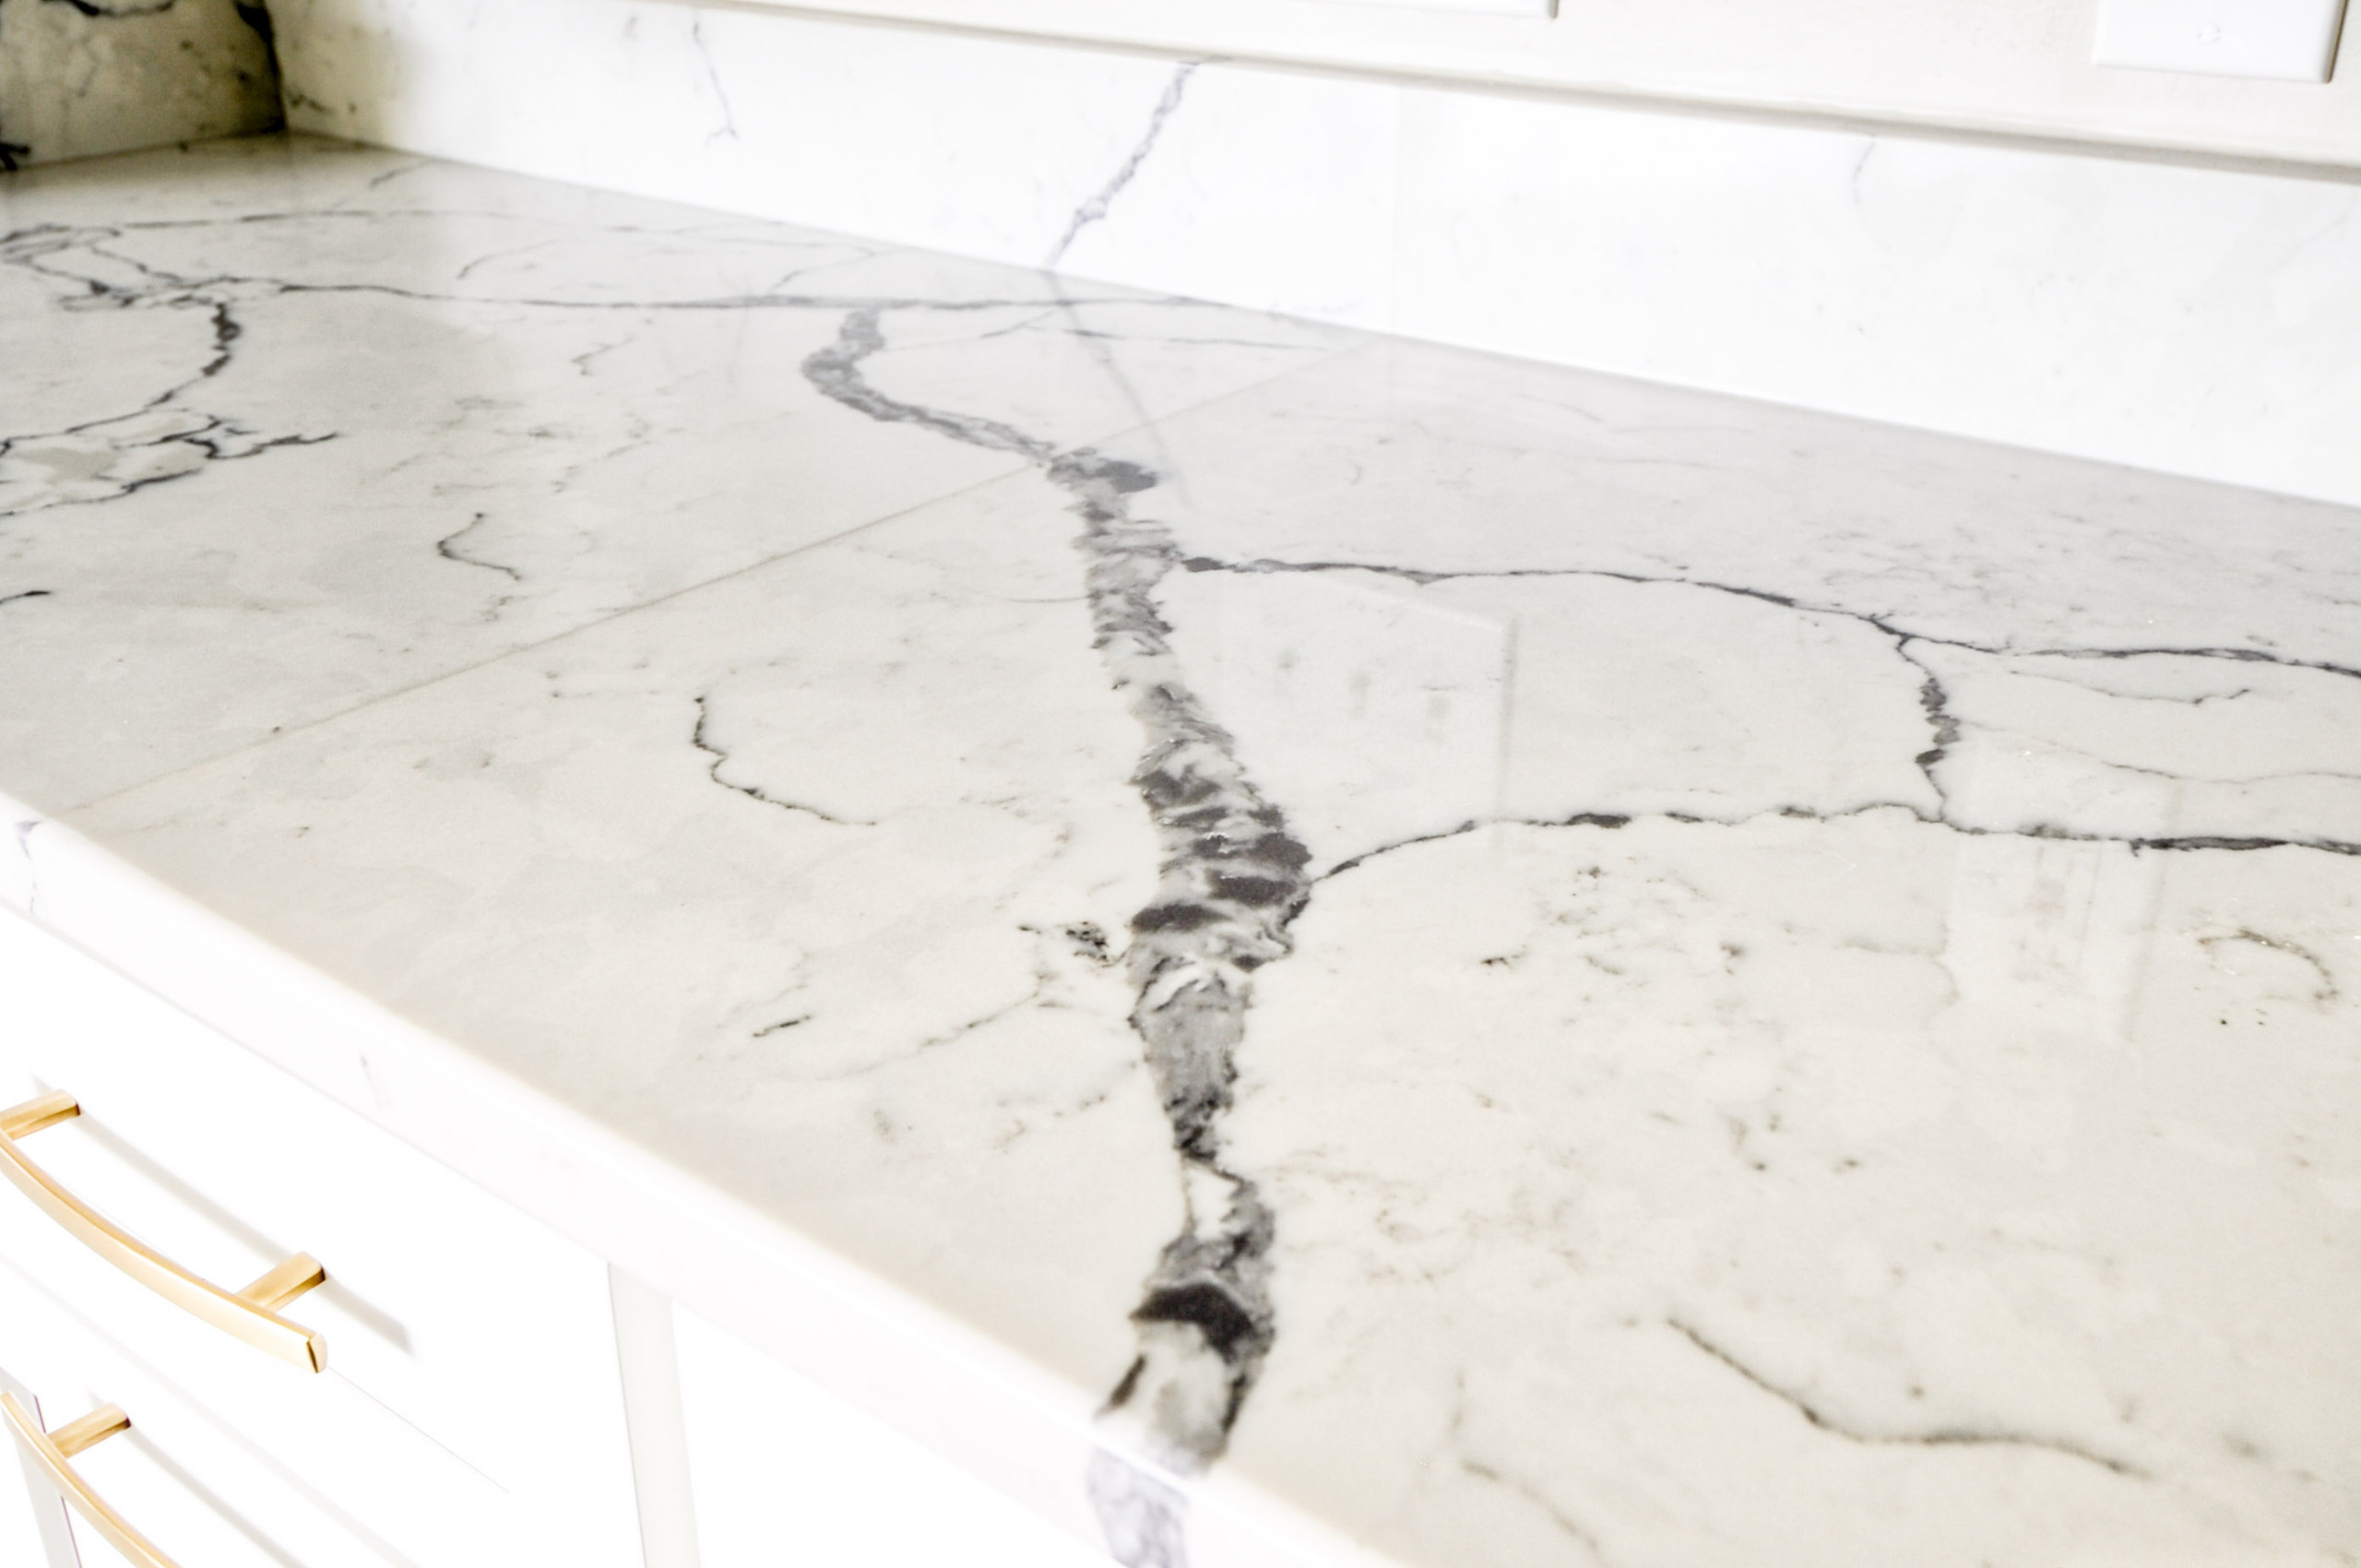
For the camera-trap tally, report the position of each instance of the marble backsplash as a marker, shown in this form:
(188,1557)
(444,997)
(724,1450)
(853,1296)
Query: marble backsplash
(84,76)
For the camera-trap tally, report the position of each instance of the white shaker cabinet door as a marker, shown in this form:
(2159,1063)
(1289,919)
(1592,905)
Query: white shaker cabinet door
(786,1475)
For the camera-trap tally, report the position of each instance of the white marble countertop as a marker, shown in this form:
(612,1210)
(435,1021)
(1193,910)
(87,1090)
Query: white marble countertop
(1505,967)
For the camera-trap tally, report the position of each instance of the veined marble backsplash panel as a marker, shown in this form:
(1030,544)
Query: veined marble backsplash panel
(2198,321)
(84,76)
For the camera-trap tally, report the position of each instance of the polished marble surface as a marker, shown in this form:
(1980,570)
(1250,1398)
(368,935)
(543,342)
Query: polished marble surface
(2174,314)
(1538,969)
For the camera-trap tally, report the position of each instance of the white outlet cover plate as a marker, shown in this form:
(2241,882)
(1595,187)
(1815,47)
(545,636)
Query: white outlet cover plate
(2292,41)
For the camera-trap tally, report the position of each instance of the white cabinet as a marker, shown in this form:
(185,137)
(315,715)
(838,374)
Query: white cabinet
(187,1482)
(786,1475)
(471,1412)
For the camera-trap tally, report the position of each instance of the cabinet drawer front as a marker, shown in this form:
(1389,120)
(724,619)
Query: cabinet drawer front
(200,1490)
(459,1333)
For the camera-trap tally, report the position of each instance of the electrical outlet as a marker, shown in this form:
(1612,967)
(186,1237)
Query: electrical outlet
(2292,41)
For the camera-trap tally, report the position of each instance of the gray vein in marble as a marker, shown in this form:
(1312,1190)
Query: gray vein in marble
(1422,576)
(1944,727)
(169,288)
(1940,1437)
(1572,1527)
(447,546)
(1457,1447)
(836,371)
(411,167)
(2326,991)
(1232,881)
(156,442)
(1096,208)
(729,127)
(700,737)
(118,455)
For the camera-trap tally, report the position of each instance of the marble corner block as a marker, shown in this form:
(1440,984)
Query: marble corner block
(77,79)
(2193,320)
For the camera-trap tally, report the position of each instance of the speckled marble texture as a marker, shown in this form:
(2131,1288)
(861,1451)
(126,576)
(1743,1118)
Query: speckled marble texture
(1543,969)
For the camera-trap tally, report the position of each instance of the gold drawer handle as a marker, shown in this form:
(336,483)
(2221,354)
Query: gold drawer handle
(51,1450)
(251,1313)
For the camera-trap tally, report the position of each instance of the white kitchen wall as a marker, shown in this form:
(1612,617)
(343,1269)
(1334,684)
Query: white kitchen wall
(2198,320)
(102,76)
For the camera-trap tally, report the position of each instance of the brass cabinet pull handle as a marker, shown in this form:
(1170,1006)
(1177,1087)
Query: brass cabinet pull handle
(251,1313)
(51,1450)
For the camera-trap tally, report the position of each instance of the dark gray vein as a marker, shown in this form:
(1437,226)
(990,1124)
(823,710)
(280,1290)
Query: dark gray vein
(1580,819)
(1232,882)
(2325,993)
(1943,726)
(447,546)
(216,435)
(2042,831)
(699,738)
(1422,576)
(117,13)
(40,247)
(1941,1437)
(835,372)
